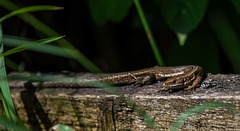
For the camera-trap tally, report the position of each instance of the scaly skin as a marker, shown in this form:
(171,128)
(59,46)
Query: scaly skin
(175,77)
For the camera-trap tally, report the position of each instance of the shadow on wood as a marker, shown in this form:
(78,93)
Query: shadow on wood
(96,109)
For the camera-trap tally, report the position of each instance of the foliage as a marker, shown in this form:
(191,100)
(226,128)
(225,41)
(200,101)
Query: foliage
(185,16)
(11,119)
(37,24)
(198,109)
(202,31)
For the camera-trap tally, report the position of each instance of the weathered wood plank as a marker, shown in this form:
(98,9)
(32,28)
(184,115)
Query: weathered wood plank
(96,109)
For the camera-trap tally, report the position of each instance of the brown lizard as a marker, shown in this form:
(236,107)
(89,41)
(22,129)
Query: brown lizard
(175,77)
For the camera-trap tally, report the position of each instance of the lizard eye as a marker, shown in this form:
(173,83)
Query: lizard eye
(174,81)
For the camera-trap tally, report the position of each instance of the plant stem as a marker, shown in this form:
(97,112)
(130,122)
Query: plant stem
(149,33)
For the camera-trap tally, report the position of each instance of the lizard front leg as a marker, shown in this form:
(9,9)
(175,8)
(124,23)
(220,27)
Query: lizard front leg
(189,80)
(194,83)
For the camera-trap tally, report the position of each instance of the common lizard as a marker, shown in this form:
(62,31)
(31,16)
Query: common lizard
(175,77)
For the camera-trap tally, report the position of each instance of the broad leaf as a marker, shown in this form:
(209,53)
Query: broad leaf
(181,38)
(183,15)
(109,10)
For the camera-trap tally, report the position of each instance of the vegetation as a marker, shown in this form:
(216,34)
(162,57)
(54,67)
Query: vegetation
(111,34)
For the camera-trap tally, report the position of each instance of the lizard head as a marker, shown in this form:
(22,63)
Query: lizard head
(174,83)
(183,81)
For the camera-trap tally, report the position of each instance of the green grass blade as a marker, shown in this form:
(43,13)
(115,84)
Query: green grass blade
(6,95)
(77,55)
(29,9)
(12,65)
(9,124)
(37,24)
(61,127)
(30,45)
(46,77)
(198,109)
(13,41)
(236,4)
(149,34)
(227,37)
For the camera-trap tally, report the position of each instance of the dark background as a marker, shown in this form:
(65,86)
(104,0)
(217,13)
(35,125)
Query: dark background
(120,46)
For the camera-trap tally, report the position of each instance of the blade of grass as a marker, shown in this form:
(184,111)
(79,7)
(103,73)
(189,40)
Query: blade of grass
(227,37)
(198,109)
(149,33)
(37,24)
(87,82)
(30,45)
(61,127)
(13,41)
(30,9)
(6,95)
(9,124)
(13,66)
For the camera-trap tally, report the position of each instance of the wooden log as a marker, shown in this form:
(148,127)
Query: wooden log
(97,109)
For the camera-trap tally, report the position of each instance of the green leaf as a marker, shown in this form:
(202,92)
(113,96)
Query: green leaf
(236,3)
(5,91)
(149,34)
(13,41)
(13,66)
(181,38)
(40,26)
(109,10)
(34,77)
(183,15)
(194,46)
(30,9)
(61,127)
(9,124)
(197,109)
(227,37)
(30,45)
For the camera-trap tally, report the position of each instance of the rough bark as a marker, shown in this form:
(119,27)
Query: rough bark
(97,109)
